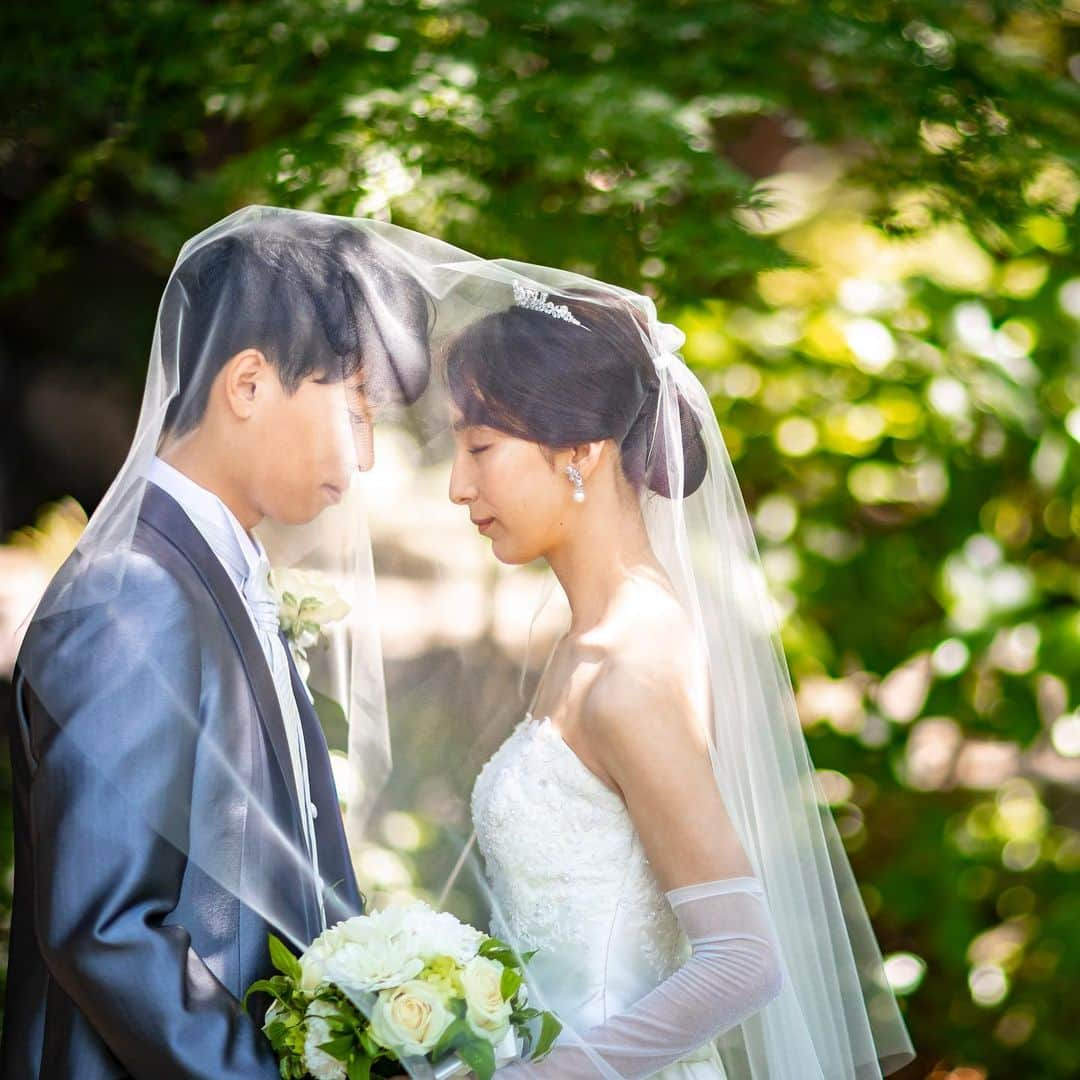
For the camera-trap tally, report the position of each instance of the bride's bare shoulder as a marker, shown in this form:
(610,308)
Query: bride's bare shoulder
(649,684)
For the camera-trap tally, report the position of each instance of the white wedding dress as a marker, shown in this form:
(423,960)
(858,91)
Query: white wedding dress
(569,877)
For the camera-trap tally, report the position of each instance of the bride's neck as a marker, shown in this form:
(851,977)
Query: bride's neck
(604,548)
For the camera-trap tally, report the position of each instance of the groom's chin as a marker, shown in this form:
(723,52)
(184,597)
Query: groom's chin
(302,511)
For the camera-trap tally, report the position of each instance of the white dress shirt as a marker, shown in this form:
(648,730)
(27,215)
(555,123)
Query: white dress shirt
(244,559)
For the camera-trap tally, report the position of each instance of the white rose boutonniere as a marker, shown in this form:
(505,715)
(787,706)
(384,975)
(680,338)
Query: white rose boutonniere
(308,603)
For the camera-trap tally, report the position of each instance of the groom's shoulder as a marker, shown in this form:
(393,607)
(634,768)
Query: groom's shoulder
(140,591)
(147,572)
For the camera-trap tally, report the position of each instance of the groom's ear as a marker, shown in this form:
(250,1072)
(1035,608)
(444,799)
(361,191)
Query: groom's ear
(243,378)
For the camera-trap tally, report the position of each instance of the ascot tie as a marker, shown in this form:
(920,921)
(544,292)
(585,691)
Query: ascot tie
(263,605)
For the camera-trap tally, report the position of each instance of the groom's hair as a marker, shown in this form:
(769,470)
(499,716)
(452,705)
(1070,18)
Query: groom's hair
(324,302)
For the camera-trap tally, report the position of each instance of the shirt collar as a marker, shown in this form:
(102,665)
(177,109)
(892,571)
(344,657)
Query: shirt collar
(234,546)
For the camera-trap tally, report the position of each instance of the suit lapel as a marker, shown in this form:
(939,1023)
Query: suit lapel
(340,892)
(163,514)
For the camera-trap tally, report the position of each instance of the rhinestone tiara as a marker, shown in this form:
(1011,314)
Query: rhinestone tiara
(535,300)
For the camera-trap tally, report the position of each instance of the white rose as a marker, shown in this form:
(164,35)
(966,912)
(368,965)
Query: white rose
(410,1019)
(317,1062)
(311,598)
(488,1015)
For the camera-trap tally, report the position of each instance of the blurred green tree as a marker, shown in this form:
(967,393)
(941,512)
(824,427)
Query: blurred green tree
(864,215)
(613,134)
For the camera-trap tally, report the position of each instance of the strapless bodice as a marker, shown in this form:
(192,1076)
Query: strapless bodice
(569,878)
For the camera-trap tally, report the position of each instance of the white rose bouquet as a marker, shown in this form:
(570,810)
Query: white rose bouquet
(406,982)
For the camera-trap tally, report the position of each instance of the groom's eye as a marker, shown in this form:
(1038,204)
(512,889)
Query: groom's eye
(479,449)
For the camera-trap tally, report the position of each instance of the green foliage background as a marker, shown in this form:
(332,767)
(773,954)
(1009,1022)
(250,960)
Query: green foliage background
(908,444)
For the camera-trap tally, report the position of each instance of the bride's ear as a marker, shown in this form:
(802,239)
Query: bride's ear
(586,457)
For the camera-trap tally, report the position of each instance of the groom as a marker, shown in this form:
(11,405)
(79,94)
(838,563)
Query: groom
(173,797)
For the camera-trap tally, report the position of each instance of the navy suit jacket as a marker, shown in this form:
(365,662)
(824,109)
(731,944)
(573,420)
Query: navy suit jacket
(157,835)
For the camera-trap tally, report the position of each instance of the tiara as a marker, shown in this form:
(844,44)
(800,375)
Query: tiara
(535,300)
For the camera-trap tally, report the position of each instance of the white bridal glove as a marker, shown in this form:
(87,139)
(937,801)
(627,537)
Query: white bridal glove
(733,971)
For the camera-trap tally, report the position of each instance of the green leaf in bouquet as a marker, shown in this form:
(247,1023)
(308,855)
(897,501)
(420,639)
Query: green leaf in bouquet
(262,986)
(296,1037)
(496,949)
(341,1022)
(279,1030)
(454,1034)
(489,947)
(523,1015)
(340,1049)
(359,1067)
(369,1045)
(510,982)
(283,959)
(502,954)
(479,1055)
(549,1032)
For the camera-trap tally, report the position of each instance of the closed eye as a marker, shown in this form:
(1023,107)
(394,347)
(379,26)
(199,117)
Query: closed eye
(479,449)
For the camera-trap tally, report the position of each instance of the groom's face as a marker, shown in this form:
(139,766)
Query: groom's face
(307,445)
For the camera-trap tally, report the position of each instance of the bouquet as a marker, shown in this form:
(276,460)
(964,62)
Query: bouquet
(406,982)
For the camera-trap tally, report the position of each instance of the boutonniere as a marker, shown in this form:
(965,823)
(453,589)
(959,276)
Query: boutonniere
(308,604)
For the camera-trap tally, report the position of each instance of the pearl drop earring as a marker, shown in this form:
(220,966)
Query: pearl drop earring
(575,479)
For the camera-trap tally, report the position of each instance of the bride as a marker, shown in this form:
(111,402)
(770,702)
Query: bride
(626,835)
(635,826)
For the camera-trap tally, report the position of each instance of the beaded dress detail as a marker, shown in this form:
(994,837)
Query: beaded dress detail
(570,878)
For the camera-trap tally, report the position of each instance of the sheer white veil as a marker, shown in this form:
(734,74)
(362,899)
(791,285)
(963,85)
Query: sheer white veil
(837,1016)
(404,298)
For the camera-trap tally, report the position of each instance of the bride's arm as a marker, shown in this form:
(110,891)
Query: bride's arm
(639,729)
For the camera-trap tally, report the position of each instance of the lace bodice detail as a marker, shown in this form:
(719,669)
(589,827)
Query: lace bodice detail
(570,878)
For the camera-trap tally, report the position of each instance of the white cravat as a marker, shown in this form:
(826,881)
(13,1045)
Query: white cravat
(263,605)
(244,560)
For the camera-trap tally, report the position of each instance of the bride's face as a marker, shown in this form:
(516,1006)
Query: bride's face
(513,492)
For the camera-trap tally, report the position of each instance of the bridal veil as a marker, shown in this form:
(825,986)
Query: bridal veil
(404,299)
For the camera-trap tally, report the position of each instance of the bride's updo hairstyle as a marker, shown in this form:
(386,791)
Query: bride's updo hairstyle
(541,378)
